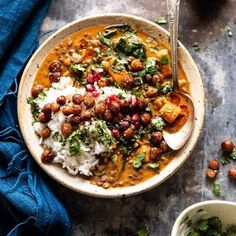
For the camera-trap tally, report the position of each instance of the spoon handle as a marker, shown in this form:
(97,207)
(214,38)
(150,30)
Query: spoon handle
(173,19)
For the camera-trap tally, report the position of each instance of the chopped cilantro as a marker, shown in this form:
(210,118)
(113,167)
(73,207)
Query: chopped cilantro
(164,60)
(78,70)
(216,188)
(158,86)
(106,41)
(233,154)
(158,123)
(148,108)
(224,160)
(137,163)
(74,144)
(142,232)
(202,225)
(153,49)
(161,20)
(195,47)
(42,95)
(166,88)
(33,107)
(150,66)
(114,159)
(150,40)
(131,47)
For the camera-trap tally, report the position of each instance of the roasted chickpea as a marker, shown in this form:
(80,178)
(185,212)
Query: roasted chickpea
(48,156)
(157,79)
(44,118)
(128,133)
(164,146)
(129,82)
(45,133)
(102,83)
(75,120)
(100,108)
(61,100)
(66,129)
(67,110)
(77,99)
(54,76)
(155,153)
(124,105)
(47,108)
(107,115)
(211,174)
(89,101)
(146,118)
(67,61)
(36,90)
(156,137)
(227,146)
(137,65)
(115,107)
(142,104)
(85,115)
(55,107)
(213,164)
(232,173)
(55,66)
(76,109)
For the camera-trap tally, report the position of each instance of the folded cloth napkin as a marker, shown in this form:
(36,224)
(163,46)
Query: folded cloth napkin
(27,205)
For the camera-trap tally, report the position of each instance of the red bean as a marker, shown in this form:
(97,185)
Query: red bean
(164,146)
(115,107)
(54,76)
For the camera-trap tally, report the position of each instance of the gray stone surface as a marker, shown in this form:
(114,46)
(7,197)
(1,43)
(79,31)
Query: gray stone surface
(203,21)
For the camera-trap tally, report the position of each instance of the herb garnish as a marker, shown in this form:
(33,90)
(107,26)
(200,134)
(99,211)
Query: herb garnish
(33,107)
(150,66)
(196,47)
(142,232)
(78,70)
(153,165)
(137,163)
(161,20)
(74,144)
(216,188)
(158,123)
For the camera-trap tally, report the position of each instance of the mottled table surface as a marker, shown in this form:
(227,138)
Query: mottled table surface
(203,21)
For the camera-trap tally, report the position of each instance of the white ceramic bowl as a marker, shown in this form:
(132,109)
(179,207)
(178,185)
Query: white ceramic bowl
(80,184)
(225,210)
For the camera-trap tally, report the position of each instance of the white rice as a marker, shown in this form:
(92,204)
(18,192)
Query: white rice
(84,163)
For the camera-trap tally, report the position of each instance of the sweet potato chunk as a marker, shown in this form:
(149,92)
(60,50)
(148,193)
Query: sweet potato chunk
(170,112)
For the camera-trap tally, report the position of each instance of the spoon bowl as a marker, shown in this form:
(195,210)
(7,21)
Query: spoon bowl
(177,139)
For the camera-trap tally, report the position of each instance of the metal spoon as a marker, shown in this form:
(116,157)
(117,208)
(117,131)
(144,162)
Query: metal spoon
(178,139)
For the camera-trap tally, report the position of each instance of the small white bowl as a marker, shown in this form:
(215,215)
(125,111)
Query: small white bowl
(225,210)
(75,182)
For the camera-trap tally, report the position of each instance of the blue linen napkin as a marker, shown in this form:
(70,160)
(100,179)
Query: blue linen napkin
(27,205)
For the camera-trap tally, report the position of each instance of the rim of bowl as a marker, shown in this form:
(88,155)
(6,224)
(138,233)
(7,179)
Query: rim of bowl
(196,205)
(123,191)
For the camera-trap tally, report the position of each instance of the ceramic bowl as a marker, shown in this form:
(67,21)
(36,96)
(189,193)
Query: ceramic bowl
(80,184)
(225,210)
